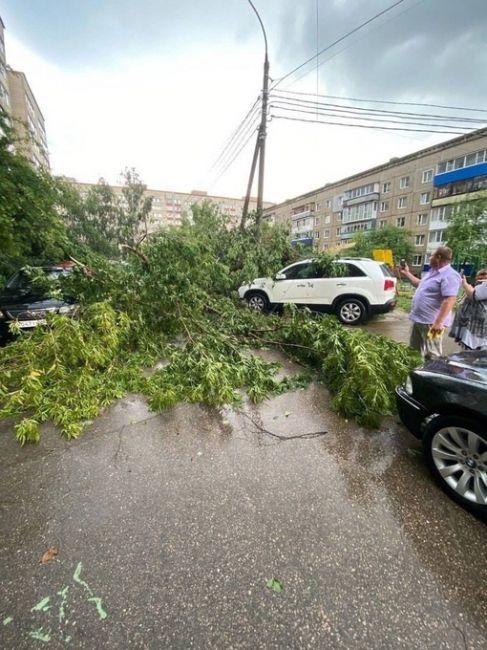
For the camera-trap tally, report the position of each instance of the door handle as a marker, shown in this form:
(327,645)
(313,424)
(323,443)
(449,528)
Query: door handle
(300,285)
(341,284)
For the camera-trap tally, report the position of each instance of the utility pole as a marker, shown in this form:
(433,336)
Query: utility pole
(259,151)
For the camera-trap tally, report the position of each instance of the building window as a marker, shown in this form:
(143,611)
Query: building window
(401,222)
(326,234)
(474,158)
(436,236)
(384,206)
(363,190)
(427,176)
(404,182)
(328,218)
(402,202)
(317,221)
(442,213)
(417,260)
(317,234)
(328,203)
(338,232)
(386,187)
(419,240)
(422,219)
(382,223)
(424,198)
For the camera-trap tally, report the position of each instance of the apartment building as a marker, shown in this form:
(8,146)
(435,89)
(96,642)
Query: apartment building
(168,208)
(27,119)
(4,94)
(19,102)
(416,192)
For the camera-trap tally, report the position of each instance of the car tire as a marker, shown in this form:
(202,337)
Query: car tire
(258,301)
(351,311)
(456,452)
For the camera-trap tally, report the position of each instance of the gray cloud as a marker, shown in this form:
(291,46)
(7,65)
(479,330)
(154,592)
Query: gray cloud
(435,50)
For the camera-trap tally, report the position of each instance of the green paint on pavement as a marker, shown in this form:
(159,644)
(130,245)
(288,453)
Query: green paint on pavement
(39,635)
(77,578)
(7,620)
(64,595)
(94,599)
(42,605)
(99,608)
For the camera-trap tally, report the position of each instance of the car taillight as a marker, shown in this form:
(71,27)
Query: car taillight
(388,284)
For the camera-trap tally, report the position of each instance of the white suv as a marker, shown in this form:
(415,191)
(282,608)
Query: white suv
(366,288)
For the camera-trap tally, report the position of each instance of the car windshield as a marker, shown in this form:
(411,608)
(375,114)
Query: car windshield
(23,279)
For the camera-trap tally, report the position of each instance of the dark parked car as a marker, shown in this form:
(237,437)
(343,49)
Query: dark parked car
(445,404)
(27,302)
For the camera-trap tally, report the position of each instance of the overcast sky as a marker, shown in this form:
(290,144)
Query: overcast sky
(162,85)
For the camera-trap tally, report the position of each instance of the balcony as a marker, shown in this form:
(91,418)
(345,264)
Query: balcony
(373,196)
(460,191)
(301,229)
(303,214)
(462,174)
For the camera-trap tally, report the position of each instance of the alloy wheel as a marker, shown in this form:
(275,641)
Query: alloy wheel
(460,456)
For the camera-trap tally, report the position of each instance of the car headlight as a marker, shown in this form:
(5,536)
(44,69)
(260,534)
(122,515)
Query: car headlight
(67,309)
(409,385)
(2,316)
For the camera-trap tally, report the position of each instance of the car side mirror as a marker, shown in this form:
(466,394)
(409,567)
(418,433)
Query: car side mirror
(281,276)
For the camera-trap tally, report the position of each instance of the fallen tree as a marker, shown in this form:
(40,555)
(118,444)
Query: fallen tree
(172,300)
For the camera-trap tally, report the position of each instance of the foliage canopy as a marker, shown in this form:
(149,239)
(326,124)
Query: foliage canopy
(172,301)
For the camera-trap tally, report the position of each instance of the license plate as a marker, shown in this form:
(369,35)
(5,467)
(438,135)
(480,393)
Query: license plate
(31,323)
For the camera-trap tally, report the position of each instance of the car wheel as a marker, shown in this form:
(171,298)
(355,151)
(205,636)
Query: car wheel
(257,301)
(456,453)
(351,311)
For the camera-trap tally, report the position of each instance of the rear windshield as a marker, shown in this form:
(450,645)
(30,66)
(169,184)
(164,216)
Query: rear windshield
(386,271)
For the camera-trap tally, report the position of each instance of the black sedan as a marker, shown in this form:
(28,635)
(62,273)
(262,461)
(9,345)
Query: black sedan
(445,404)
(26,302)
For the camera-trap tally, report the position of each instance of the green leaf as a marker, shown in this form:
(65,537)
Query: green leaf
(275,585)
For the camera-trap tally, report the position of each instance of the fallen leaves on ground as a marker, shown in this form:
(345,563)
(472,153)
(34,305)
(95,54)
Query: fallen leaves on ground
(49,555)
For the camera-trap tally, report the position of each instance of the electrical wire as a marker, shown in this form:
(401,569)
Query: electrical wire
(339,40)
(249,116)
(236,144)
(280,106)
(355,40)
(385,101)
(357,110)
(361,126)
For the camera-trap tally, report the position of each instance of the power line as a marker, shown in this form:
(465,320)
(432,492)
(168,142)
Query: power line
(238,140)
(332,56)
(252,110)
(385,101)
(339,40)
(356,110)
(368,119)
(361,126)
(236,155)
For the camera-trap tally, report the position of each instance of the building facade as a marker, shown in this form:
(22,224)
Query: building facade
(4,93)
(169,208)
(416,192)
(27,119)
(18,101)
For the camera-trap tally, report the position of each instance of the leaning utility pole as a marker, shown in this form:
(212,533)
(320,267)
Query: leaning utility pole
(259,151)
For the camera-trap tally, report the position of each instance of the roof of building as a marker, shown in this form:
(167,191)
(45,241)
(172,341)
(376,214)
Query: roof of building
(393,162)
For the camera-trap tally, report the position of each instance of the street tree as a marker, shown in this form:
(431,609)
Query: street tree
(466,233)
(390,237)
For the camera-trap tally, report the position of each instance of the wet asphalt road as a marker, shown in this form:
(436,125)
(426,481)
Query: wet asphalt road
(168,527)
